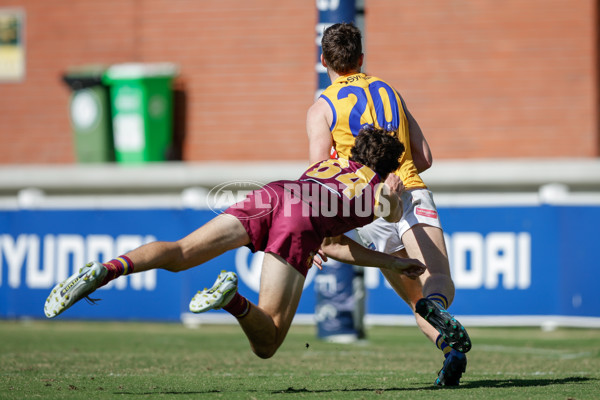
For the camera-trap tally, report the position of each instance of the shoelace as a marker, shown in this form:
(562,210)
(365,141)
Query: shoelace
(91,301)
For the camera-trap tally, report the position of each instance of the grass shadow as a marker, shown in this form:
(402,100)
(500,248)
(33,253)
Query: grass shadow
(485,383)
(508,383)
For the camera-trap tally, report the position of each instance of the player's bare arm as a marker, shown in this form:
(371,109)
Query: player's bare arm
(317,127)
(346,250)
(421,153)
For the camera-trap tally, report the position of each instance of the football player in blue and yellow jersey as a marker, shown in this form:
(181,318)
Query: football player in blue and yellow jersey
(352,101)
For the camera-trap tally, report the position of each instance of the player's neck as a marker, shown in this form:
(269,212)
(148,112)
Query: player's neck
(334,75)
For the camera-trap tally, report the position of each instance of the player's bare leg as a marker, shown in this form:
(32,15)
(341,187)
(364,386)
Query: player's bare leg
(267,325)
(426,243)
(411,291)
(217,236)
(212,239)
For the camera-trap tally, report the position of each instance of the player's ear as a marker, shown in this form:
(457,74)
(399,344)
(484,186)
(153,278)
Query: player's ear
(323,63)
(360,60)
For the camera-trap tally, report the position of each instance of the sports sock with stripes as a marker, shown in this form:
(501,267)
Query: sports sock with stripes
(443,346)
(121,265)
(238,306)
(440,299)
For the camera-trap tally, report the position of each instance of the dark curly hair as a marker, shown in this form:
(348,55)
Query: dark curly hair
(378,149)
(342,47)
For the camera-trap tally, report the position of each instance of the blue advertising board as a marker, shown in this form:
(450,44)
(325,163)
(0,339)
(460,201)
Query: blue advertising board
(506,261)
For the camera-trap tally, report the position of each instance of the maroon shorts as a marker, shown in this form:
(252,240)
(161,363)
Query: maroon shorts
(275,223)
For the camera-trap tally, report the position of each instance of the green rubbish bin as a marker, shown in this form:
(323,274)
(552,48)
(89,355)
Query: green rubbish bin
(142,110)
(90,114)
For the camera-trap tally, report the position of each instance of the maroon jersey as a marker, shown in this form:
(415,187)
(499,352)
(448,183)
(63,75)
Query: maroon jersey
(345,192)
(291,218)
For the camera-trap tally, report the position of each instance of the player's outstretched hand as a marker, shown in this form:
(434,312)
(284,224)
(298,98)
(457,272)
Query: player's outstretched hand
(319,259)
(411,267)
(395,183)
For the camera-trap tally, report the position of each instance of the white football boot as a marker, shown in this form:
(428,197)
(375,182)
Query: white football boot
(218,296)
(74,288)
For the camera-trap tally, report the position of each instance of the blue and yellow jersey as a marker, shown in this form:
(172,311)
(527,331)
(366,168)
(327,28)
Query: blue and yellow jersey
(357,100)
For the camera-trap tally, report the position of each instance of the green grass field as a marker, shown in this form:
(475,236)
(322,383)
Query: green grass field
(90,360)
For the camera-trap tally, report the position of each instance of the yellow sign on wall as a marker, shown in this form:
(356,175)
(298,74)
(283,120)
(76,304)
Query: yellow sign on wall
(12,46)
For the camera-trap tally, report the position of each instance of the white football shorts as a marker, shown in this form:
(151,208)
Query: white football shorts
(418,207)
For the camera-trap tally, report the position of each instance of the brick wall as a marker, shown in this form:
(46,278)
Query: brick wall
(487,78)
(247,69)
(484,78)
(34,119)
